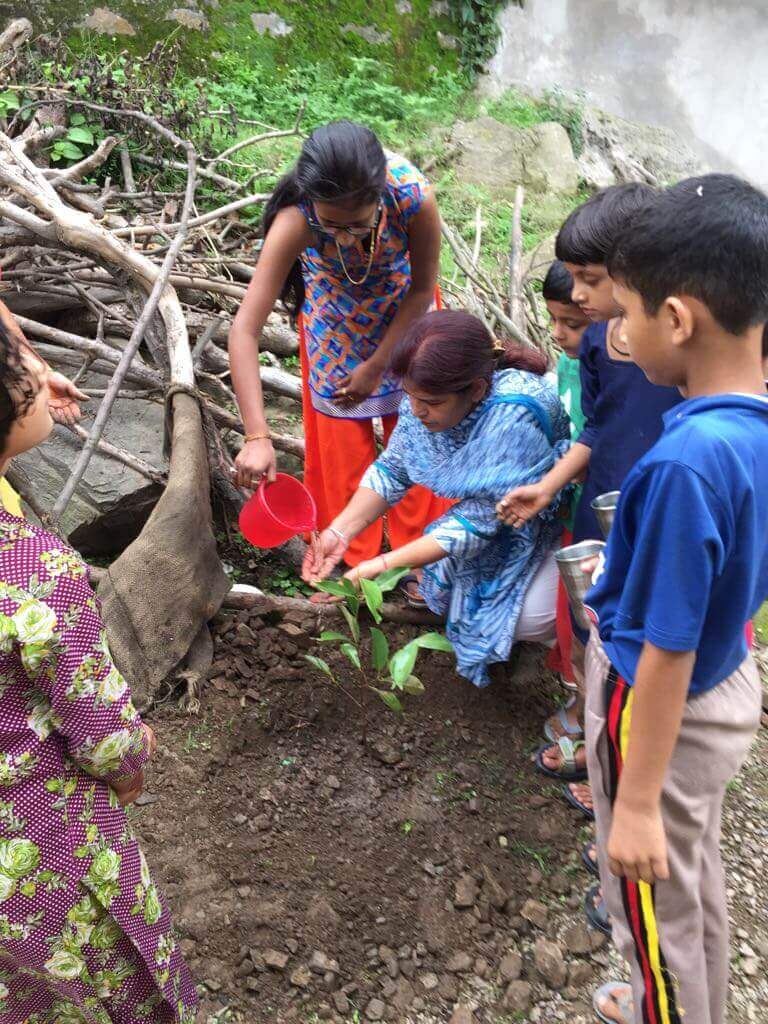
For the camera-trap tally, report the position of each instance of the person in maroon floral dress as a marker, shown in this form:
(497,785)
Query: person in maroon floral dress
(85,936)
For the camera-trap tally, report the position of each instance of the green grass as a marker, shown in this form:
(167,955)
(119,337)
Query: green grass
(761,624)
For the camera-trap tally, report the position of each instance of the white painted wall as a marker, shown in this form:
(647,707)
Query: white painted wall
(699,67)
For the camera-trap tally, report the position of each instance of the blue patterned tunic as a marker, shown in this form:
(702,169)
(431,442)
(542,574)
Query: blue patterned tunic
(511,438)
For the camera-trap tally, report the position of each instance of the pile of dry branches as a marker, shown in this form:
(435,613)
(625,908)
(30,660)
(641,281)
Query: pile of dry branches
(124,276)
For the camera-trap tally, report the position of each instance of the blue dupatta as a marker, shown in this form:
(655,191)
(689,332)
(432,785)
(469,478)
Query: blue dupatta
(511,438)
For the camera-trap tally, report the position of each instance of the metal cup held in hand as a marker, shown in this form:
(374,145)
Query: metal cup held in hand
(577,582)
(604,507)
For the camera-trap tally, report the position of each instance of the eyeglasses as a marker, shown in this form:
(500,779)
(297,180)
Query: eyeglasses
(351,229)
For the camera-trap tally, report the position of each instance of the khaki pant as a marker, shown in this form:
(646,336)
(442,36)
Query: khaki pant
(674,933)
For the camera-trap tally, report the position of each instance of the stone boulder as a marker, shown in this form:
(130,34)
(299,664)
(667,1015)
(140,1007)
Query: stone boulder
(617,151)
(112,501)
(500,156)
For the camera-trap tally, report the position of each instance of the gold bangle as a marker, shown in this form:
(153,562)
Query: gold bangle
(257,437)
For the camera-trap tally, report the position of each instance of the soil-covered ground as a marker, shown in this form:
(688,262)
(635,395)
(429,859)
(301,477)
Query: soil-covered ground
(428,875)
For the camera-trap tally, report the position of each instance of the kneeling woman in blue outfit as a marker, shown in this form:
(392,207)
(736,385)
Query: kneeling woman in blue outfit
(478,419)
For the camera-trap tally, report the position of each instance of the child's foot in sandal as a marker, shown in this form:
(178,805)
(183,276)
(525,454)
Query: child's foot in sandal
(596,910)
(589,859)
(565,722)
(579,795)
(613,1003)
(566,760)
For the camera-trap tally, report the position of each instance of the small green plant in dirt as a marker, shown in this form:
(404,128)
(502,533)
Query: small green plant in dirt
(387,674)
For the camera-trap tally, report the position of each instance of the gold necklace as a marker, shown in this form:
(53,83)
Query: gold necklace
(347,274)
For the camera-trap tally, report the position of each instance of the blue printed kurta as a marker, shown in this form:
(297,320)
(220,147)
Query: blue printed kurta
(511,438)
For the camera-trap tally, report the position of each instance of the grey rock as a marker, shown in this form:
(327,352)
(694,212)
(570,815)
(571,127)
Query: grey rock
(107,23)
(535,913)
(511,966)
(187,19)
(439,8)
(448,989)
(549,962)
(493,891)
(112,501)
(275,960)
(579,974)
(616,150)
(489,153)
(301,977)
(319,963)
(462,1014)
(577,940)
(404,7)
(341,1002)
(271,24)
(403,996)
(459,963)
(375,1010)
(447,41)
(368,33)
(429,981)
(465,893)
(518,997)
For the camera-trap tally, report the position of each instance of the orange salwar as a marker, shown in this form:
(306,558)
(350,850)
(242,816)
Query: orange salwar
(337,453)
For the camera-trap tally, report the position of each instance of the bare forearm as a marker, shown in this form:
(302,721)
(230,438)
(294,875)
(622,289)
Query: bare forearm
(570,468)
(660,692)
(364,508)
(419,552)
(246,379)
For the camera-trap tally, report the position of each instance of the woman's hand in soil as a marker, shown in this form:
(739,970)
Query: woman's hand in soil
(64,399)
(523,503)
(360,383)
(255,460)
(322,555)
(131,789)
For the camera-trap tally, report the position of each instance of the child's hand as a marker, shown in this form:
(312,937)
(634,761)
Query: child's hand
(64,398)
(151,739)
(131,789)
(523,503)
(637,846)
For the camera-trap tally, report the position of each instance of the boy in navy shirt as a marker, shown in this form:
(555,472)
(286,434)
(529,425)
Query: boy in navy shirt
(673,696)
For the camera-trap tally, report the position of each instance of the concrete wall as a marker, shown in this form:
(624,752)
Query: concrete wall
(695,66)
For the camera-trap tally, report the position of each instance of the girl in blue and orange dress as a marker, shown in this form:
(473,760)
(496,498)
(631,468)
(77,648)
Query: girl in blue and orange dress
(351,245)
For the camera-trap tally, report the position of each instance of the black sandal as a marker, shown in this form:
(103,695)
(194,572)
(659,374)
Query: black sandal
(597,914)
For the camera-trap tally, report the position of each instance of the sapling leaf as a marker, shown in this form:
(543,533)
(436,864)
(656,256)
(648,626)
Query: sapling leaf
(433,642)
(331,587)
(328,637)
(66,151)
(389,699)
(414,686)
(9,101)
(402,663)
(373,598)
(79,133)
(319,664)
(354,625)
(379,649)
(389,579)
(350,653)
(74,118)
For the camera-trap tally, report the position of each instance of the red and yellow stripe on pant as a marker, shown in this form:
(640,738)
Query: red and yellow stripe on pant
(660,1002)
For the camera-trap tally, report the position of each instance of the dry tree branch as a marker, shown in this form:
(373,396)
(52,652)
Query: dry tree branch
(516,298)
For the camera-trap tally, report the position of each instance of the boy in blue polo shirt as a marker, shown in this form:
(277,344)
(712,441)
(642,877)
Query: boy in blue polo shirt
(673,696)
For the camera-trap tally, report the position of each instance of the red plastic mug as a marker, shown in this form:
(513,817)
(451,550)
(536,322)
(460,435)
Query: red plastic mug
(277,511)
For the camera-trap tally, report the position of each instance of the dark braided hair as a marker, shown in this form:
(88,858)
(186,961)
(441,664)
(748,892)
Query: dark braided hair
(18,388)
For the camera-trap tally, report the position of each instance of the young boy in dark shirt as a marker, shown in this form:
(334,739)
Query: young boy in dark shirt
(673,696)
